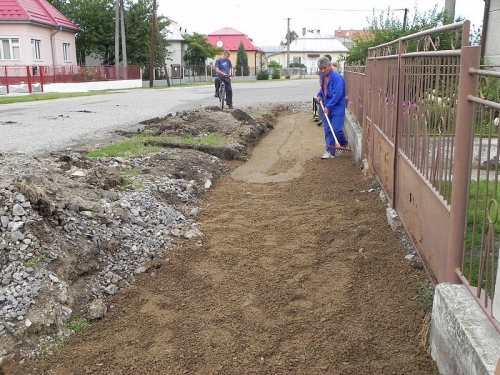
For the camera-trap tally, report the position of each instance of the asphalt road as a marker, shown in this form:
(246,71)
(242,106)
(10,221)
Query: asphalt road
(37,127)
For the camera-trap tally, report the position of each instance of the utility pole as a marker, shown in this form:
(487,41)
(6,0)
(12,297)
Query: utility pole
(117,37)
(405,19)
(124,46)
(449,8)
(288,44)
(152,48)
(162,48)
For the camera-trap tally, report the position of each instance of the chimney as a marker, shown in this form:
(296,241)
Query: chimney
(303,31)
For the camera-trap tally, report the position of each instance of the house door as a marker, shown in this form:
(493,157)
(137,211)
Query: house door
(314,68)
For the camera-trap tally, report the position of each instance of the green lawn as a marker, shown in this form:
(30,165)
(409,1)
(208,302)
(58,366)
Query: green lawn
(51,96)
(44,96)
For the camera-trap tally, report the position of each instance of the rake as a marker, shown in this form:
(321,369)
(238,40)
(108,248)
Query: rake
(337,144)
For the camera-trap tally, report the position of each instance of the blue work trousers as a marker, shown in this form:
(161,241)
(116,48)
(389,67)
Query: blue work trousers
(337,122)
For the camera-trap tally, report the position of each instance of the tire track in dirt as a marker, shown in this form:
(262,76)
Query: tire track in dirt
(281,155)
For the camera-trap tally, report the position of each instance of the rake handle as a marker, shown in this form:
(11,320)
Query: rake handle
(329,124)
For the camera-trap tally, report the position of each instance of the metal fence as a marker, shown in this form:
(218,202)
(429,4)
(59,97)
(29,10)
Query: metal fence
(202,73)
(32,78)
(355,77)
(434,150)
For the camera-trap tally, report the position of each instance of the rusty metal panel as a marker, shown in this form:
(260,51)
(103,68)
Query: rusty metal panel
(382,163)
(425,216)
(355,81)
(430,89)
(368,140)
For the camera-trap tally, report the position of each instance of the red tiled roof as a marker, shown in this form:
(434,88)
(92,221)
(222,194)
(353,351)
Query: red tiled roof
(231,39)
(350,33)
(39,11)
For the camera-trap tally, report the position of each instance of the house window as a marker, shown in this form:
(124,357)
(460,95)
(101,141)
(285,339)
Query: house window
(66,52)
(10,49)
(36,48)
(296,60)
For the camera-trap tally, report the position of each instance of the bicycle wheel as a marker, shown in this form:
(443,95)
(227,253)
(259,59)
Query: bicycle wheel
(222,96)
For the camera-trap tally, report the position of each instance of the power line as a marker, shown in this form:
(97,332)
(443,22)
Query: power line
(358,10)
(333,9)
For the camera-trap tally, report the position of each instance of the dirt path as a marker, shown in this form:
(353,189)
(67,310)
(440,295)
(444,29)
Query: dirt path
(298,272)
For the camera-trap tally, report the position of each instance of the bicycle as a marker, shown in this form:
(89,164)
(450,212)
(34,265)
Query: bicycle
(316,117)
(222,91)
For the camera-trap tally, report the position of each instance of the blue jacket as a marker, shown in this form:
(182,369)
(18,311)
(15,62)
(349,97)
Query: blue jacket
(334,99)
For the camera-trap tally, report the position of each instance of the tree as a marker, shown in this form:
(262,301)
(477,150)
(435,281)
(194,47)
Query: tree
(292,36)
(242,67)
(384,29)
(96,18)
(138,17)
(199,49)
(60,5)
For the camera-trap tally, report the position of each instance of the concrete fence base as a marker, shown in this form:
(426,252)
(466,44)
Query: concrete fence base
(462,339)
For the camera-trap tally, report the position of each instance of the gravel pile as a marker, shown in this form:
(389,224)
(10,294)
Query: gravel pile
(55,229)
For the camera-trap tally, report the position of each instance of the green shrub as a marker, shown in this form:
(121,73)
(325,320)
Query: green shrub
(276,74)
(263,75)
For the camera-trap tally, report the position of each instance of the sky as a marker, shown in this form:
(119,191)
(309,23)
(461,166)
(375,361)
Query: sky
(265,21)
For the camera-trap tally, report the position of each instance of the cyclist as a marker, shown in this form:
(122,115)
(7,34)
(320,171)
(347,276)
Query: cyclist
(223,68)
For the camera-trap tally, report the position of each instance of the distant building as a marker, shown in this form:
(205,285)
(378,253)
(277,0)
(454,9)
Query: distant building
(307,49)
(340,33)
(176,49)
(230,39)
(346,36)
(33,32)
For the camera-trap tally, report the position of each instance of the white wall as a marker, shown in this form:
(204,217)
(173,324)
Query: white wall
(492,46)
(175,55)
(92,86)
(309,62)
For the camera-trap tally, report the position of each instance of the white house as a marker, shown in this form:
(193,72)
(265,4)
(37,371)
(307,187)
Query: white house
(175,50)
(307,49)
